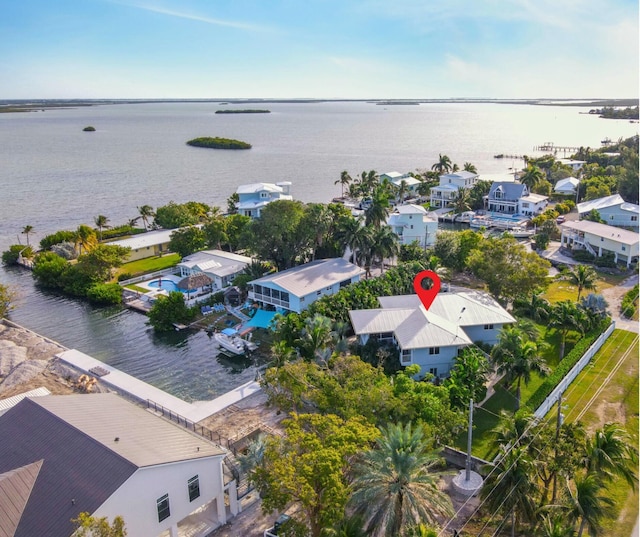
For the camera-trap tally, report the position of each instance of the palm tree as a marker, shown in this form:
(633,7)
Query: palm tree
(85,238)
(348,235)
(556,526)
(610,452)
(564,317)
(378,211)
(443,165)
(27,230)
(344,180)
(384,245)
(316,336)
(583,277)
(102,222)
(401,191)
(468,167)
(535,307)
(532,176)
(510,488)
(517,359)
(146,212)
(392,487)
(586,504)
(461,201)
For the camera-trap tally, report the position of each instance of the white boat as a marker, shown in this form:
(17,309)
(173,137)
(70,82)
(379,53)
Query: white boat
(234,344)
(521,232)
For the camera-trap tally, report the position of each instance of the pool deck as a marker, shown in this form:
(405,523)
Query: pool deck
(143,392)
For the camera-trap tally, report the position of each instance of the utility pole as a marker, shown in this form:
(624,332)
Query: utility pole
(467,476)
(555,449)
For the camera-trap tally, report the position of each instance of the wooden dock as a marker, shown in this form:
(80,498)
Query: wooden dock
(552,148)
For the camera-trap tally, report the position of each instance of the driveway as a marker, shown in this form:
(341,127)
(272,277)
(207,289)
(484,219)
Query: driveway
(613,295)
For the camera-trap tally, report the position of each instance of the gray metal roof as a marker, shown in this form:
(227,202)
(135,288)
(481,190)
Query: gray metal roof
(511,191)
(426,329)
(312,277)
(78,474)
(616,234)
(143,439)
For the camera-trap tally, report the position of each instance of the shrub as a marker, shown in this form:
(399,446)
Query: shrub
(105,293)
(56,238)
(583,256)
(565,366)
(124,276)
(607,260)
(630,303)
(10,256)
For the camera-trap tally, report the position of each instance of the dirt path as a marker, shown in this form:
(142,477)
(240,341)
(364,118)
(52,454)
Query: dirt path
(613,295)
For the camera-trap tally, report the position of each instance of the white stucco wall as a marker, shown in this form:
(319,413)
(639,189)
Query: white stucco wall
(442,361)
(136,499)
(478,333)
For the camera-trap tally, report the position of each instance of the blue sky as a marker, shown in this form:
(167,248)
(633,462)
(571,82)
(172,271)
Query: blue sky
(318,49)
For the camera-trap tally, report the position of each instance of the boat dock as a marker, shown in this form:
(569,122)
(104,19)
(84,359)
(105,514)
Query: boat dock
(552,148)
(143,392)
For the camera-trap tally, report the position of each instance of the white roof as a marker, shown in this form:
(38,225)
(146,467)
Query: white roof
(410,208)
(534,198)
(466,308)
(394,175)
(410,181)
(217,262)
(6,404)
(608,201)
(413,328)
(568,183)
(446,187)
(254,188)
(613,233)
(145,240)
(311,277)
(463,174)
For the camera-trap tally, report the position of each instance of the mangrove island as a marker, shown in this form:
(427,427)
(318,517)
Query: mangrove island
(218,143)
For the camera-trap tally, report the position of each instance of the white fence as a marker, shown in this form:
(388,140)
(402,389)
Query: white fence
(573,373)
(149,276)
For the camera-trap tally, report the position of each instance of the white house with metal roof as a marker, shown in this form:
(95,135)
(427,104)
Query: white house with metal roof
(149,244)
(567,186)
(413,223)
(444,194)
(599,239)
(533,204)
(613,210)
(396,179)
(222,267)
(100,454)
(254,197)
(432,338)
(296,288)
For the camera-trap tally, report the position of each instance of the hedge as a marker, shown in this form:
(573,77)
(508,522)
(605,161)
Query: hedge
(565,366)
(630,303)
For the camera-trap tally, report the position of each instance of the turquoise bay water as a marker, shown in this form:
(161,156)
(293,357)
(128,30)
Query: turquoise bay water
(55,176)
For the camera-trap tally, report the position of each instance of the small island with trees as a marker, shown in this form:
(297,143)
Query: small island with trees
(89,129)
(218,143)
(244,111)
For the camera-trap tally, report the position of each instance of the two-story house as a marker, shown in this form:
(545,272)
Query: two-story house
(296,288)
(443,194)
(504,197)
(220,266)
(254,197)
(613,210)
(62,455)
(413,223)
(396,178)
(432,338)
(599,239)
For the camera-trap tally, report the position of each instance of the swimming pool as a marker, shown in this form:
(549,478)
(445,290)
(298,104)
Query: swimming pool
(166,284)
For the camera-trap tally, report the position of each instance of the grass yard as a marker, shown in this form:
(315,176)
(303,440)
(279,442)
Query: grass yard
(150,264)
(614,369)
(563,290)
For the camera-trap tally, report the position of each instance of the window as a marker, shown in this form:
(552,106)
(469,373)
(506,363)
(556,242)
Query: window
(434,350)
(194,488)
(634,218)
(624,248)
(406,356)
(264,195)
(488,326)
(163,507)
(434,371)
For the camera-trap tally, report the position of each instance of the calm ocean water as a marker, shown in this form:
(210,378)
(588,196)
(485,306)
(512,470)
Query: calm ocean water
(54,176)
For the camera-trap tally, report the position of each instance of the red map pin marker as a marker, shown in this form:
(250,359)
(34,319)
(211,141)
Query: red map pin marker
(427,296)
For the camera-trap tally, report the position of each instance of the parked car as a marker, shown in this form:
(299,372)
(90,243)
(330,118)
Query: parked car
(560,219)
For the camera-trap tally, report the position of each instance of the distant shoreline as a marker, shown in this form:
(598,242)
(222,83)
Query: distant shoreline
(32,105)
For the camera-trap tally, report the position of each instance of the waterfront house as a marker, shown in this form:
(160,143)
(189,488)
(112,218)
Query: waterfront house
(567,186)
(443,194)
(396,178)
(413,223)
(432,338)
(532,204)
(222,267)
(575,165)
(599,239)
(149,244)
(62,455)
(504,197)
(296,288)
(254,197)
(613,210)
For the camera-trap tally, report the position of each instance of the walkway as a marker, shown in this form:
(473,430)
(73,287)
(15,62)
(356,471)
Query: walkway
(142,391)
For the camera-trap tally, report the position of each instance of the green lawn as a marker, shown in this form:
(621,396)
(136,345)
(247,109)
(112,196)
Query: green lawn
(150,264)
(562,290)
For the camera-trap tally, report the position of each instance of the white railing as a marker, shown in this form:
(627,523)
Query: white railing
(552,399)
(149,276)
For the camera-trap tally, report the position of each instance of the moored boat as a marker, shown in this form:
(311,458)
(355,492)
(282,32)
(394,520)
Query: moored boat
(233,343)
